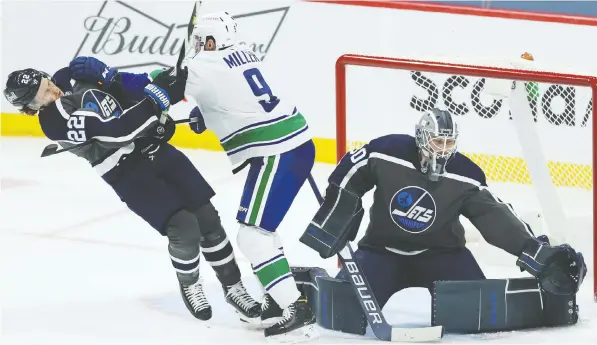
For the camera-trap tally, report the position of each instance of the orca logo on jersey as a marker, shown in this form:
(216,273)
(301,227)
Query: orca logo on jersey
(413,209)
(102,103)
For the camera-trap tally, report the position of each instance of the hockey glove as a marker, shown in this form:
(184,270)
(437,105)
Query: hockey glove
(197,123)
(92,70)
(335,223)
(129,86)
(174,85)
(165,132)
(560,270)
(161,134)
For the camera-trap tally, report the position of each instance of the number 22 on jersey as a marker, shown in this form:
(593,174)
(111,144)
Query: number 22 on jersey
(260,88)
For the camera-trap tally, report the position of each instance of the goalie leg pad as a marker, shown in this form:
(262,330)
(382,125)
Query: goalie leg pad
(499,305)
(332,300)
(339,309)
(336,222)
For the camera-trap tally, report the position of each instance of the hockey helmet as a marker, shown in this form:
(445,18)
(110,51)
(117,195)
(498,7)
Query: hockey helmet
(22,86)
(219,26)
(436,138)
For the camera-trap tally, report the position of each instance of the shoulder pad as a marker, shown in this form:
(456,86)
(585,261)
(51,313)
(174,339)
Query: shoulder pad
(463,166)
(400,146)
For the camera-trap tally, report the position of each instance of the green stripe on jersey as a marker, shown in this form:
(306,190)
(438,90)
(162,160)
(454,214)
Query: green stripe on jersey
(266,133)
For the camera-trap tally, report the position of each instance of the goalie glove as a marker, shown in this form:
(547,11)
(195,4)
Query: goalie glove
(335,223)
(560,270)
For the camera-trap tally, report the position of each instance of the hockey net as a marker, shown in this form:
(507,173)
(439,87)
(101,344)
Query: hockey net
(534,144)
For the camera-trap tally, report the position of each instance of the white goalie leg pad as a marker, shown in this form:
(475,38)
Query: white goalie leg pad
(270,266)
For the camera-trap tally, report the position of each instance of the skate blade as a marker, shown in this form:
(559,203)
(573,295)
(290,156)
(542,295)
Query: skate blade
(301,335)
(247,320)
(259,325)
(269,322)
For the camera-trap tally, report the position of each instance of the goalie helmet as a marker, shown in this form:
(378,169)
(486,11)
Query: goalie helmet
(22,86)
(220,26)
(436,138)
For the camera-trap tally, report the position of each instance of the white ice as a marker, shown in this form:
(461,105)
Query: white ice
(78,268)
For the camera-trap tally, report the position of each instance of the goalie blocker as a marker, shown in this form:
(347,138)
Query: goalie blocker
(489,305)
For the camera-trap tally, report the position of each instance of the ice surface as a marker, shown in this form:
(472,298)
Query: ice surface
(77,267)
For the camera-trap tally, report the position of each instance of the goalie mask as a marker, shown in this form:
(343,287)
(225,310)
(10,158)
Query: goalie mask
(436,136)
(219,26)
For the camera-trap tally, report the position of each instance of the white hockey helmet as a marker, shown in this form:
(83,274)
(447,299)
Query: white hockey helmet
(220,26)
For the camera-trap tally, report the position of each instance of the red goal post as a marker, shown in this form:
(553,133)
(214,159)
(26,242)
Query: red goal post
(343,61)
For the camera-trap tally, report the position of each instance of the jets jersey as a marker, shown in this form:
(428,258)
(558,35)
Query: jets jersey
(411,214)
(240,107)
(86,113)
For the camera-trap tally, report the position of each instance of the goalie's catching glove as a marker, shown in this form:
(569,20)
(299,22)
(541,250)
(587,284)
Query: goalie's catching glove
(560,270)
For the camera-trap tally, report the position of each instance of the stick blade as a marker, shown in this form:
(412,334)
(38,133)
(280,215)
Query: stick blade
(415,335)
(49,150)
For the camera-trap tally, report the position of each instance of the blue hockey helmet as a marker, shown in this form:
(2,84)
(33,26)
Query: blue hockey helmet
(436,138)
(22,86)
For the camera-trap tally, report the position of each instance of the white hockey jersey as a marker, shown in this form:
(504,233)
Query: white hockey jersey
(240,107)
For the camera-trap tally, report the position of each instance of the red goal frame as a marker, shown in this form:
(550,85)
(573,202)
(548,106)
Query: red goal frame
(468,70)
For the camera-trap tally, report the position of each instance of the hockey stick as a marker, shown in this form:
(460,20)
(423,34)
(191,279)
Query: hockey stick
(53,149)
(187,42)
(368,302)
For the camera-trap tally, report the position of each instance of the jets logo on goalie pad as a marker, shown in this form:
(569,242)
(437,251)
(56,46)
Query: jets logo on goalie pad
(413,209)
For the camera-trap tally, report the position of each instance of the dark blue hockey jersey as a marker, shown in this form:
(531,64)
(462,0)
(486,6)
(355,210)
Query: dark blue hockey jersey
(410,213)
(86,112)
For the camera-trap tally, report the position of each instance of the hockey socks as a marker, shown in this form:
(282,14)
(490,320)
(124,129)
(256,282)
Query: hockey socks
(216,247)
(220,256)
(270,266)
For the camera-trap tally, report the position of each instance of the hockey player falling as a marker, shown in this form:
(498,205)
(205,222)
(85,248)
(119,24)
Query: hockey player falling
(117,115)
(414,238)
(259,129)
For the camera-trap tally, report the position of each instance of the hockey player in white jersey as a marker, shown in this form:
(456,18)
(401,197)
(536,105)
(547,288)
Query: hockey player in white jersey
(269,134)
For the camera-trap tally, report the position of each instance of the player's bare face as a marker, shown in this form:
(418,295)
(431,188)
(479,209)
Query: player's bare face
(442,146)
(47,94)
(210,45)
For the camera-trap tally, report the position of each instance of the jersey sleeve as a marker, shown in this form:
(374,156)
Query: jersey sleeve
(496,220)
(85,124)
(353,172)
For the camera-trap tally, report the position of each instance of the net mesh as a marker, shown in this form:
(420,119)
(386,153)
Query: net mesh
(561,114)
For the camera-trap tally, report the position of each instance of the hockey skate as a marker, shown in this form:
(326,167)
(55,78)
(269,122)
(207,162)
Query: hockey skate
(245,306)
(295,326)
(195,300)
(270,311)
